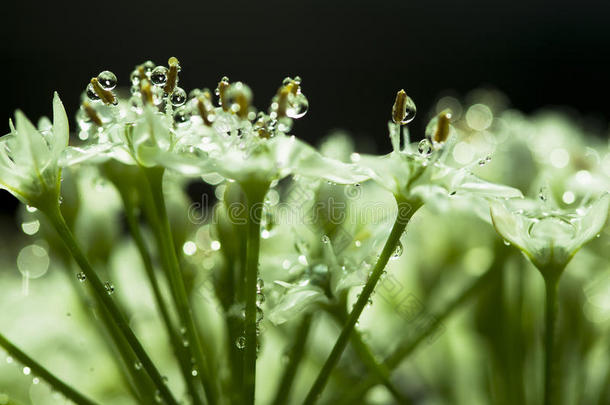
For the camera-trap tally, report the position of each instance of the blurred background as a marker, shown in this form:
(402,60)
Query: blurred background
(352,55)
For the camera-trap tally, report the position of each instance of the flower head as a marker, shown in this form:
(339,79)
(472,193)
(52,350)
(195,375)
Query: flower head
(549,237)
(162,126)
(418,172)
(29,156)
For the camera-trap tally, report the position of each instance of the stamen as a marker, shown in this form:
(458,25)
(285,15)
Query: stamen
(92,114)
(221,90)
(147,95)
(172,75)
(442,127)
(403,110)
(205,108)
(106,96)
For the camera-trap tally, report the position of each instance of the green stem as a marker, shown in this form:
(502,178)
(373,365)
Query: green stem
(100,294)
(138,239)
(409,345)
(255,197)
(294,360)
(43,373)
(368,358)
(550,379)
(404,214)
(165,241)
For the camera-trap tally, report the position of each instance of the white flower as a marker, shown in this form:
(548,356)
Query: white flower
(549,238)
(29,157)
(418,173)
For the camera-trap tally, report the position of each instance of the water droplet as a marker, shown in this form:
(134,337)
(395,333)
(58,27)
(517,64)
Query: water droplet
(178,97)
(158,398)
(325,239)
(410,111)
(91,94)
(137,365)
(260,284)
(35,380)
(424,147)
(148,67)
(543,194)
(398,251)
(29,208)
(158,76)
(215,245)
(194,372)
(369,302)
(26,370)
(240,342)
(552,228)
(107,80)
(182,115)
(109,287)
(9,360)
(134,77)
(299,106)
(507,243)
(259,314)
(81,276)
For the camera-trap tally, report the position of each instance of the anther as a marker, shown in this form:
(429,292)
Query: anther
(205,108)
(441,133)
(106,96)
(221,91)
(172,75)
(92,114)
(146,90)
(404,109)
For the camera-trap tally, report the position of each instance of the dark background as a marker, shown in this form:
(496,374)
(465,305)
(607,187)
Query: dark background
(352,55)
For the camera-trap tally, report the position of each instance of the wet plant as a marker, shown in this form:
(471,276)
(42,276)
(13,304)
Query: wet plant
(313,275)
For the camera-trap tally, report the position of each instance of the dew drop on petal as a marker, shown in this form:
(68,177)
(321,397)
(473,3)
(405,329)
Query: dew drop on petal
(181,116)
(27,371)
(424,147)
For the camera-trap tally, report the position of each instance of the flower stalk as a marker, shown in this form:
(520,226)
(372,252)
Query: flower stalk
(40,371)
(163,233)
(54,215)
(255,195)
(405,211)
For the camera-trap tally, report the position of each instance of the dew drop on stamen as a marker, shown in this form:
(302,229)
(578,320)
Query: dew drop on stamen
(178,97)
(298,107)
(107,80)
(158,76)
(91,94)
